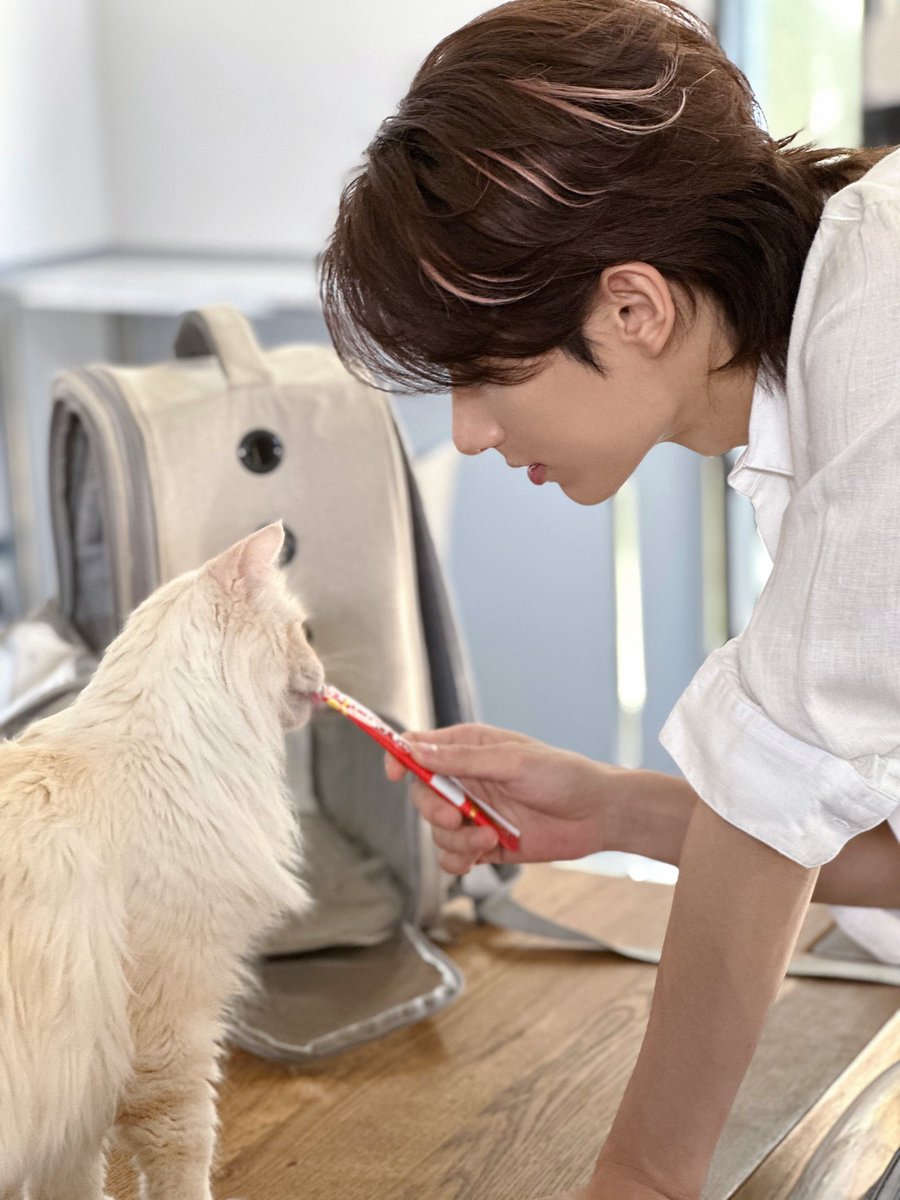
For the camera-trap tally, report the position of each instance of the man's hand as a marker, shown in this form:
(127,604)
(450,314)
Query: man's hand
(559,800)
(617,1181)
(615,1194)
(615,1190)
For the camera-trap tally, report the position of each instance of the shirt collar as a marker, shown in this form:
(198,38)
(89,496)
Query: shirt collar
(769,444)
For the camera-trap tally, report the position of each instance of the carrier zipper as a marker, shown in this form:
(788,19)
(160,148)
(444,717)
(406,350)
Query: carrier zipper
(68,400)
(125,445)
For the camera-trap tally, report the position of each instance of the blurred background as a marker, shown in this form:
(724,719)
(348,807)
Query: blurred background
(155,157)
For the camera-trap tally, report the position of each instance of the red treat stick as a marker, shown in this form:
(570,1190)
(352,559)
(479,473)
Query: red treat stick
(445,786)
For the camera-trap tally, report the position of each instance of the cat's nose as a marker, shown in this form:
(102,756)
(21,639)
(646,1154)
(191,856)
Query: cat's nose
(320,677)
(314,677)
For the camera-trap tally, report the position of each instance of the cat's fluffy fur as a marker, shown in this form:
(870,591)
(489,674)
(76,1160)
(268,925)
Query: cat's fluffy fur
(146,841)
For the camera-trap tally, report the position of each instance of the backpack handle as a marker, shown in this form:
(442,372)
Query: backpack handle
(221,330)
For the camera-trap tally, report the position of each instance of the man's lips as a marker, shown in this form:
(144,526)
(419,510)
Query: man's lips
(537,472)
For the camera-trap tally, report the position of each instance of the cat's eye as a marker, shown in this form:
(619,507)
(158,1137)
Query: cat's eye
(260,451)
(307,631)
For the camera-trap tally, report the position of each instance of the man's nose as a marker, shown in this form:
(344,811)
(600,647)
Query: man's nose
(473,429)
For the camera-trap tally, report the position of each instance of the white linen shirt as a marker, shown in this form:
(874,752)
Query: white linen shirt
(791,731)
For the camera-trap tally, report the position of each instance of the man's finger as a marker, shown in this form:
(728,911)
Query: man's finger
(499,761)
(467,734)
(435,810)
(394,769)
(454,864)
(471,840)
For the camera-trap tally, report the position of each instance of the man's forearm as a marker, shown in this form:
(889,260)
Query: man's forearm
(649,815)
(653,810)
(736,914)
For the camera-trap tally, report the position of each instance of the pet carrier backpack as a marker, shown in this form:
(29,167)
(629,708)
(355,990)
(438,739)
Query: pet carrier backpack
(154,470)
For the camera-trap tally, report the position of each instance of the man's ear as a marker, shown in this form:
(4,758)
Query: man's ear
(249,563)
(638,306)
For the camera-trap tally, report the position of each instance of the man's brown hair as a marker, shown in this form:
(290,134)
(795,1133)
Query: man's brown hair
(541,143)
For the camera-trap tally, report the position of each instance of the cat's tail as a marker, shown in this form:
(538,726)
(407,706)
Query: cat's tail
(65,1044)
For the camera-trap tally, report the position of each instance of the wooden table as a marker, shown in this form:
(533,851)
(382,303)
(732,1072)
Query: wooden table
(507,1094)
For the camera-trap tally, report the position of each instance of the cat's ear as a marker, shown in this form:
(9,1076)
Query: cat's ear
(248,564)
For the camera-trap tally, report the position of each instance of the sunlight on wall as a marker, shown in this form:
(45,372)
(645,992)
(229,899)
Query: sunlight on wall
(631,679)
(812,75)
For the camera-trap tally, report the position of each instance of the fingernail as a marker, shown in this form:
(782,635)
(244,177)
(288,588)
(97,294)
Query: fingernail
(424,749)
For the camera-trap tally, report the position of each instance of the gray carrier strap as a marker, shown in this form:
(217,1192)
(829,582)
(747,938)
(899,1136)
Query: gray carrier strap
(451,677)
(888,1186)
(495,905)
(222,331)
(44,664)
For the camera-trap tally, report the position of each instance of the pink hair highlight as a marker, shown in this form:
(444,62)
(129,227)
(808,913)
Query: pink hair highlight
(545,170)
(561,95)
(573,91)
(496,179)
(434,274)
(533,179)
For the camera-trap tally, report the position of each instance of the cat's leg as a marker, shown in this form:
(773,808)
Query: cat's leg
(168,1122)
(77,1178)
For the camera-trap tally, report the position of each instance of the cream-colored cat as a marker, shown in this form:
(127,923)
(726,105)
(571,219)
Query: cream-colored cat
(146,842)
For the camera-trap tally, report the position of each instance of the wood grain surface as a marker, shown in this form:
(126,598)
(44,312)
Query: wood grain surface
(508,1093)
(776,1176)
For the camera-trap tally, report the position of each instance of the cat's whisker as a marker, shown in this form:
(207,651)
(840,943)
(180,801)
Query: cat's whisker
(333,662)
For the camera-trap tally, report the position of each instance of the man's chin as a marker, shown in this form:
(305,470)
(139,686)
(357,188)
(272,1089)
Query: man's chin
(586,496)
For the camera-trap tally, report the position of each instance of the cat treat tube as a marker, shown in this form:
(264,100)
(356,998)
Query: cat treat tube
(446,786)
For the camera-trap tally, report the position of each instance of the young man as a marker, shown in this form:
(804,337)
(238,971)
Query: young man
(575,224)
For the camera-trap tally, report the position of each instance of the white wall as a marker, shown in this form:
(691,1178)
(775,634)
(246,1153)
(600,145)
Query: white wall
(196,124)
(882,58)
(234,123)
(53,194)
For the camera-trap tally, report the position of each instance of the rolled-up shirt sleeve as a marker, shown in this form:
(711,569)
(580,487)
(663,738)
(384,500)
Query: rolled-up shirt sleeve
(791,731)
